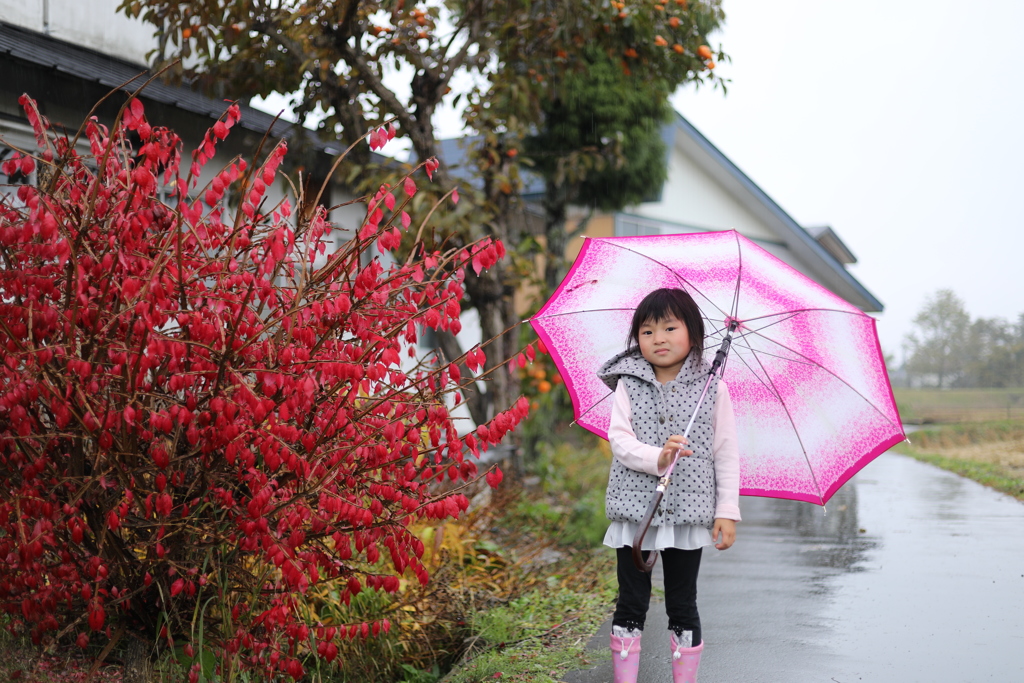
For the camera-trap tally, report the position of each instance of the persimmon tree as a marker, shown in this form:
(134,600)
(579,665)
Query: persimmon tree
(350,64)
(204,413)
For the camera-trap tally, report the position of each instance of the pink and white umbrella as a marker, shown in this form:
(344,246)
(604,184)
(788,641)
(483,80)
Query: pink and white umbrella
(806,373)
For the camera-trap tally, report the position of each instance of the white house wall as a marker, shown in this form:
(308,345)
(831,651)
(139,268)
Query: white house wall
(703,194)
(25,13)
(94,24)
(694,199)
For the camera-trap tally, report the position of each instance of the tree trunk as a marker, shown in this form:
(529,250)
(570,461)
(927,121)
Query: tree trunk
(557,236)
(492,294)
(138,662)
(492,297)
(555,209)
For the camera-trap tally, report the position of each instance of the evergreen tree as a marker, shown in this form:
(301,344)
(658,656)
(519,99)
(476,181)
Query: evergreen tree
(600,148)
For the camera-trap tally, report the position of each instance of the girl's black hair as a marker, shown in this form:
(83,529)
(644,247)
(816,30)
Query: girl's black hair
(665,303)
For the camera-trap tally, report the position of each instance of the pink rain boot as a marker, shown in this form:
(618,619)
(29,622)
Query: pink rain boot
(685,661)
(625,659)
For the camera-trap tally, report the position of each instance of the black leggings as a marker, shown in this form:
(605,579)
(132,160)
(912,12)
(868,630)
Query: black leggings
(680,569)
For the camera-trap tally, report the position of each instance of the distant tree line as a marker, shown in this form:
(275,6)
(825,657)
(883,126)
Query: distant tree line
(949,349)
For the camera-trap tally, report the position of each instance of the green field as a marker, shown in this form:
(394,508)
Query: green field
(944,406)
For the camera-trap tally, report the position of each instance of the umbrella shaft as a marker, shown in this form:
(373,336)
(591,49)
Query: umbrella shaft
(720,356)
(686,432)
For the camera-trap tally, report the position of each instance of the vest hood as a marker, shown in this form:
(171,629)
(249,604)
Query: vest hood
(632,363)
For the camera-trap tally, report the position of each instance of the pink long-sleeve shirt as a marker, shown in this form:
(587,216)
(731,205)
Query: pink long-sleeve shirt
(642,457)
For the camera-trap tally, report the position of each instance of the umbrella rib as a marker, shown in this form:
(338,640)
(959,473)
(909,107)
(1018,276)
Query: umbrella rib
(717,330)
(666,267)
(589,310)
(714,332)
(859,314)
(816,363)
(775,355)
(739,276)
(777,322)
(594,405)
(789,416)
(754,373)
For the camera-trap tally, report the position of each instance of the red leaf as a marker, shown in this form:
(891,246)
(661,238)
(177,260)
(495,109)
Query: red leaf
(494,477)
(96,617)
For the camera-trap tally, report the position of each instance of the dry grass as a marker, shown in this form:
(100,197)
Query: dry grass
(1008,454)
(991,453)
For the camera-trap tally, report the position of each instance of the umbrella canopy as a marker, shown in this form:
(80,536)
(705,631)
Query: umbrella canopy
(806,373)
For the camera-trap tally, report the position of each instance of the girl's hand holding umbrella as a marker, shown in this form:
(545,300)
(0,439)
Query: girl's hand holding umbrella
(673,447)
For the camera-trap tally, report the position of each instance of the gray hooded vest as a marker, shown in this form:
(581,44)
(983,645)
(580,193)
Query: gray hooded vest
(659,411)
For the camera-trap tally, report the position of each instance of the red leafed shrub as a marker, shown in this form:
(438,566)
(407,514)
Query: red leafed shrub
(202,413)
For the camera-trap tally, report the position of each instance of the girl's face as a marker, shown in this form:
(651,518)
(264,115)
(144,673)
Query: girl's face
(665,345)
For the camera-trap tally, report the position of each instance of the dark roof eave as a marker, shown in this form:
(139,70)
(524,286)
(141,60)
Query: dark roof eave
(112,72)
(827,237)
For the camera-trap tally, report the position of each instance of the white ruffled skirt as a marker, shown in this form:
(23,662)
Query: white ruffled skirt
(681,536)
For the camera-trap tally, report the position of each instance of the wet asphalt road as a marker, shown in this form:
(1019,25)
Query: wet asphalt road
(914,574)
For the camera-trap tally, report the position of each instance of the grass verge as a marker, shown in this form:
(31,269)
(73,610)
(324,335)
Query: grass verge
(985,473)
(540,635)
(990,453)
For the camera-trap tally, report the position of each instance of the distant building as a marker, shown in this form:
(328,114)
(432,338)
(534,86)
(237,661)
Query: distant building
(705,191)
(68,54)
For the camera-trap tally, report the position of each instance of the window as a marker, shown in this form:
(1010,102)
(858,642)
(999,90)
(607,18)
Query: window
(627,225)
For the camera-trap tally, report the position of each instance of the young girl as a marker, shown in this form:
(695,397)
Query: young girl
(658,381)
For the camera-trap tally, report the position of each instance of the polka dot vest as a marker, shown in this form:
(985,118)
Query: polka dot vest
(659,411)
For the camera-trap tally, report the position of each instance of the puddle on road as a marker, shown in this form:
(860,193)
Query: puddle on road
(932,590)
(829,538)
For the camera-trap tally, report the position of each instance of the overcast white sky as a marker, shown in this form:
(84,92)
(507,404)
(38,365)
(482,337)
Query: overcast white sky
(898,123)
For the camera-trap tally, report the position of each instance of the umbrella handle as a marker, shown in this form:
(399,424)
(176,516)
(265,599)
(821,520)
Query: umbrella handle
(641,531)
